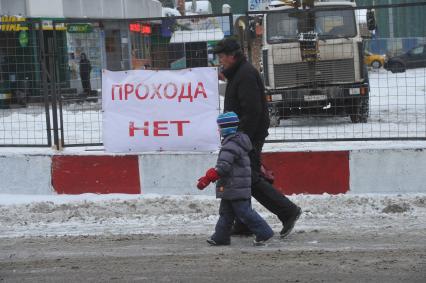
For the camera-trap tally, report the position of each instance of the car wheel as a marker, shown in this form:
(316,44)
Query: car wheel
(376,64)
(397,67)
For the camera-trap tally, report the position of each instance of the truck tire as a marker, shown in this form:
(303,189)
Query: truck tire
(274,116)
(360,111)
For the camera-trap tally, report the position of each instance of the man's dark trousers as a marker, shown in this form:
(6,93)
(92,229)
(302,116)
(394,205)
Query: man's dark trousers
(264,192)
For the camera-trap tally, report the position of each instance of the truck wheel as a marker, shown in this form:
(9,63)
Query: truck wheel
(274,116)
(360,111)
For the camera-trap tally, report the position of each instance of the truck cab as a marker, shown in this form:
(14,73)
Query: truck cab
(312,60)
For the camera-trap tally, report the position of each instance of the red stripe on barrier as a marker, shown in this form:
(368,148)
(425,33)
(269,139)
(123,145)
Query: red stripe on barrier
(309,172)
(95,174)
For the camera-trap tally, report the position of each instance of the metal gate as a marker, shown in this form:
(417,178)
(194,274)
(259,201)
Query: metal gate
(25,92)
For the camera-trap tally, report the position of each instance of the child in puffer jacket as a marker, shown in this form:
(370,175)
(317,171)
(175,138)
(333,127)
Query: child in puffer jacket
(233,176)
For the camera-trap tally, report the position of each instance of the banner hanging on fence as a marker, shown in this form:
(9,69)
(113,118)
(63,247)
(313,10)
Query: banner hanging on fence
(147,110)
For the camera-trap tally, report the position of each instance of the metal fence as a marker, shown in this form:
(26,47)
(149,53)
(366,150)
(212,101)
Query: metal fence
(24,107)
(327,76)
(155,43)
(63,102)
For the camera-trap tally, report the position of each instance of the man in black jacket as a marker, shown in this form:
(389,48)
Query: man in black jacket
(245,96)
(85,69)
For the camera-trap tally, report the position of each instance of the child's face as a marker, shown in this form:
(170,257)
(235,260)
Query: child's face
(220,132)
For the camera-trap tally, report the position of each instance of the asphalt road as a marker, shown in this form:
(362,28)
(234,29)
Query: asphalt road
(305,256)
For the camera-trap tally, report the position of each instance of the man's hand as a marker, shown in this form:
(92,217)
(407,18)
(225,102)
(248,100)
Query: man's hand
(221,76)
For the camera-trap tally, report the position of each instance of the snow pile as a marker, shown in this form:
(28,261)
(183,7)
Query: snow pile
(127,214)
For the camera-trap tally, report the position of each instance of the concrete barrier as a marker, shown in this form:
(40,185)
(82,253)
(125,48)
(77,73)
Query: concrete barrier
(25,174)
(388,171)
(333,172)
(95,174)
(174,173)
(309,172)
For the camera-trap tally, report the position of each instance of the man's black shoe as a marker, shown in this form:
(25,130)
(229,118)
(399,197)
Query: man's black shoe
(289,223)
(214,243)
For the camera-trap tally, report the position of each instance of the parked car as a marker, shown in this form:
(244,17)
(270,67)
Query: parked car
(413,58)
(375,61)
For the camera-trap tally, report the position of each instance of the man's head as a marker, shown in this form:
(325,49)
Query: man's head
(228,123)
(229,52)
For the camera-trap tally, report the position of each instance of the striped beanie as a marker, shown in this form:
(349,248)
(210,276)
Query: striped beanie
(228,123)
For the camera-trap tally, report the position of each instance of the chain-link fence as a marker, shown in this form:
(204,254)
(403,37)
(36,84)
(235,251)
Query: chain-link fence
(335,71)
(24,118)
(155,43)
(51,84)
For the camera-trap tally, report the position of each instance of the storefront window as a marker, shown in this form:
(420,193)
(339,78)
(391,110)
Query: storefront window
(84,42)
(140,42)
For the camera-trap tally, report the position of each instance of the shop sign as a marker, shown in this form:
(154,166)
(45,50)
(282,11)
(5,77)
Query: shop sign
(144,29)
(5,96)
(23,38)
(12,23)
(79,28)
(48,25)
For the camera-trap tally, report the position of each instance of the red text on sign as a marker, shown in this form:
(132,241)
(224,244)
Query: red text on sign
(169,90)
(158,128)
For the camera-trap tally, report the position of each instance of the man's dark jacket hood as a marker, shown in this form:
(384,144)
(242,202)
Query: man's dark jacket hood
(233,166)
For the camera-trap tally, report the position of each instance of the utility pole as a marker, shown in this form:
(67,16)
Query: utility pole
(391,31)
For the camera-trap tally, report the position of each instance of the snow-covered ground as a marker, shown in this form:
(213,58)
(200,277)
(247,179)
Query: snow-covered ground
(397,109)
(90,238)
(89,214)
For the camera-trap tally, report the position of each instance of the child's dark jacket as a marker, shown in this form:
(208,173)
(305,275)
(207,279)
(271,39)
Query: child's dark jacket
(233,166)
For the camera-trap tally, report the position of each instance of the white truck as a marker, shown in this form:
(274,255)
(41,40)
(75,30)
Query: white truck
(312,61)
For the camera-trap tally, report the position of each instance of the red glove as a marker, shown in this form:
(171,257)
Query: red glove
(203,182)
(211,176)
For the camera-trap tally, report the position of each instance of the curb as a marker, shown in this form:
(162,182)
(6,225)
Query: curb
(331,172)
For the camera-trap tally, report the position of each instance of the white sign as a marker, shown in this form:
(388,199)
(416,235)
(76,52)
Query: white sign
(258,5)
(147,110)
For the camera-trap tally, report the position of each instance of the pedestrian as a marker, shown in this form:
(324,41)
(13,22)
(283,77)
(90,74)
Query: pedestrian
(85,68)
(245,95)
(233,186)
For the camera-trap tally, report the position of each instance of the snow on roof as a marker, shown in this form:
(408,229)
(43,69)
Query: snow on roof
(279,5)
(335,3)
(203,7)
(181,36)
(170,12)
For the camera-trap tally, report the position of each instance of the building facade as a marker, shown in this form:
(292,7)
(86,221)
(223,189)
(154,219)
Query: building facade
(399,22)
(107,45)
(114,9)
